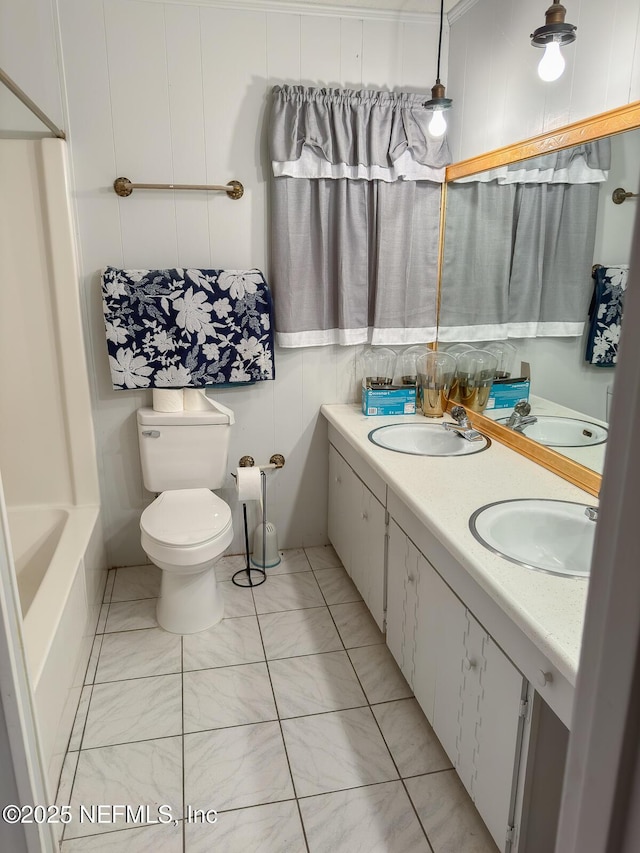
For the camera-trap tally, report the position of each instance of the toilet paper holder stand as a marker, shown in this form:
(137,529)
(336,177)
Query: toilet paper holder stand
(276,461)
(243,577)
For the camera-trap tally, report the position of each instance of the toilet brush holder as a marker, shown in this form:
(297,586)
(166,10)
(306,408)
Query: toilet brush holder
(265,546)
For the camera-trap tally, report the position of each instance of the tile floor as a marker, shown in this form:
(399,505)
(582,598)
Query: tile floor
(289,718)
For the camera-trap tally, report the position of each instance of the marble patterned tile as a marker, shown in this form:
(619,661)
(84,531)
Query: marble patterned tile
(135,582)
(376,818)
(93,660)
(146,772)
(356,625)
(411,740)
(63,794)
(336,585)
(230,642)
(108,589)
(331,752)
(447,814)
(288,592)
(238,601)
(228,696)
(131,615)
(272,828)
(228,565)
(136,654)
(236,767)
(146,839)
(139,709)
(323,557)
(315,683)
(291,560)
(75,741)
(299,632)
(102,618)
(379,674)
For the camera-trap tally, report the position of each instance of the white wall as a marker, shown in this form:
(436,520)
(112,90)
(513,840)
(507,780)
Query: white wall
(28,54)
(498,96)
(162,92)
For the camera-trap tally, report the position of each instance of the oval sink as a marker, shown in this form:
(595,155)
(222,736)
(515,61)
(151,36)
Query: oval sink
(547,535)
(425,440)
(554,431)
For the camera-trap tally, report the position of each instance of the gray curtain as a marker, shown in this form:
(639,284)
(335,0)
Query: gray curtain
(517,260)
(354,218)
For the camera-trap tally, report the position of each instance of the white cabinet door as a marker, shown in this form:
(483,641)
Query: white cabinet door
(498,740)
(357,530)
(402,583)
(449,617)
(367,556)
(343,492)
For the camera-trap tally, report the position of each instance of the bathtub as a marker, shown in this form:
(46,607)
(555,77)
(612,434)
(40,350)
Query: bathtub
(60,576)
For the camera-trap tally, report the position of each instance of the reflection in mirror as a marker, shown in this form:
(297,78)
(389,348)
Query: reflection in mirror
(520,244)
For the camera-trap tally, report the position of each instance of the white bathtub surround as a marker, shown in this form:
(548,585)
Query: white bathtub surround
(47,450)
(280,739)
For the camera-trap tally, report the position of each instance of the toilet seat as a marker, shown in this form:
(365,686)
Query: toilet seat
(185,528)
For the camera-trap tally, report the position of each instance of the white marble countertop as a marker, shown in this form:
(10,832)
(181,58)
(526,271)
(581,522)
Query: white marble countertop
(442,492)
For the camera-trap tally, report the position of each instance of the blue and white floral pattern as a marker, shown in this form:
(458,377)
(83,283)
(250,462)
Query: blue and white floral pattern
(605,315)
(182,328)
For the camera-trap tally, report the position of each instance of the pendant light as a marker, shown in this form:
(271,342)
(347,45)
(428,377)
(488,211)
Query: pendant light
(438,103)
(551,37)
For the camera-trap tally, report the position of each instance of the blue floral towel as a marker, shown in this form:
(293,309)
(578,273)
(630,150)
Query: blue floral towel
(605,315)
(187,328)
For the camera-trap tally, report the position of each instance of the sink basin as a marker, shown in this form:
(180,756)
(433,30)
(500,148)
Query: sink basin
(425,440)
(548,535)
(563,432)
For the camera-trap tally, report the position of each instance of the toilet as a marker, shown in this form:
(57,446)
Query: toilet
(187,528)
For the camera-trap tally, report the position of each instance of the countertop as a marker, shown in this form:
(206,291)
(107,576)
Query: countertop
(442,492)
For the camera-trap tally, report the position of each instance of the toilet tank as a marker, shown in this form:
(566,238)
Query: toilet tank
(184,450)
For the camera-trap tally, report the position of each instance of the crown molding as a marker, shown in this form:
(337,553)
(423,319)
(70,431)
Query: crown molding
(459,10)
(292,7)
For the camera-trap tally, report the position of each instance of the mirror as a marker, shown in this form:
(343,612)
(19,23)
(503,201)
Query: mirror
(569,396)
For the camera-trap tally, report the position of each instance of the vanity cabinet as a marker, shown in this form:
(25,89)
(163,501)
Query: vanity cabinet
(357,530)
(469,690)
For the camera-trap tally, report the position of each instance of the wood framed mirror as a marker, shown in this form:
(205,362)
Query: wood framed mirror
(609,124)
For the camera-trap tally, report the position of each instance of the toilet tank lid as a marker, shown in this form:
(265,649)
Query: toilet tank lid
(149,417)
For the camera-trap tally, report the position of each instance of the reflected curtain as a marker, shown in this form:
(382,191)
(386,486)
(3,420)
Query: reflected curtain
(354,217)
(518,254)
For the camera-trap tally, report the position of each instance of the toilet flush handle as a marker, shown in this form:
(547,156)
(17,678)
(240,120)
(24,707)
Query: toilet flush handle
(151,433)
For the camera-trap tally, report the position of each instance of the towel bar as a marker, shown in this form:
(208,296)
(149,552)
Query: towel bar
(124,187)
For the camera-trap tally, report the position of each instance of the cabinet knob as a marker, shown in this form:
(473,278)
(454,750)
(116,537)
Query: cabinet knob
(338,479)
(411,578)
(543,678)
(470,663)
(365,516)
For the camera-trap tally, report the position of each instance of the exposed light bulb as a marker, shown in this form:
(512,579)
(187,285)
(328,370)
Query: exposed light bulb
(438,123)
(552,63)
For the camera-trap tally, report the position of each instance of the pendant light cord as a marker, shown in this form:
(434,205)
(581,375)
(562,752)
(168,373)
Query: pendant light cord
(440,39)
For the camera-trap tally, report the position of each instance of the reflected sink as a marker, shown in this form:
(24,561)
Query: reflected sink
(556,431)
(425,440)
(548,535)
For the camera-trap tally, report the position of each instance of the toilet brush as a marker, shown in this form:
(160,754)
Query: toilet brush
(265,539)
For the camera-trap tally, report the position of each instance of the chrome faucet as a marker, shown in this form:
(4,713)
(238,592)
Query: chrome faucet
(520,417)
(462,425)
(591,512)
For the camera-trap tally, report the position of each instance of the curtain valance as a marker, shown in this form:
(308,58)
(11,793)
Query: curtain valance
(358,134)
(588,163)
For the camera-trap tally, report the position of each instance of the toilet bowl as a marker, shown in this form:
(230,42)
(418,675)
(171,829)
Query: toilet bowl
(184,532)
